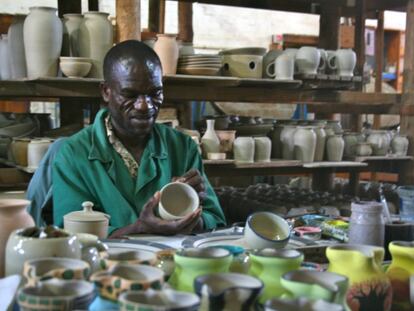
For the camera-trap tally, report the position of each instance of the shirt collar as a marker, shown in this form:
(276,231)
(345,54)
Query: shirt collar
(101,148)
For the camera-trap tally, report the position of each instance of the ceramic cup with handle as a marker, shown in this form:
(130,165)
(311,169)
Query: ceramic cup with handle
(308,59)
(177,200)
(323,61)
(343,61)
(283,68)
(266,229)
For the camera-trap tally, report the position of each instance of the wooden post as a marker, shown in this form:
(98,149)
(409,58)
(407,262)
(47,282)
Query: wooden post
(407,121)
(93,5)
(185,21)
(128,20)
(156,16)
(379,60)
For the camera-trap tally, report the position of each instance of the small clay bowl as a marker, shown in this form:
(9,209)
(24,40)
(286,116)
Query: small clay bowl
(113,257)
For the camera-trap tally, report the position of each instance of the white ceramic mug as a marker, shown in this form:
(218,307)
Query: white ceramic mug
(284,67)
(344,61)
(307,60)
(177,200)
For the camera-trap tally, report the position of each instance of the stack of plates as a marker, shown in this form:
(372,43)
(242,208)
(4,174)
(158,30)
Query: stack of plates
(205,65)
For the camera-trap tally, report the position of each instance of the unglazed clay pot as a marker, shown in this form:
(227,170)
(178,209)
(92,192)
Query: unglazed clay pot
(5,68)
(320,143)
(304,141)
(19,150)
(399,145)
(71,29)
(16,47)
(363,149)
(288,144)
(367,224)
(210,141)
(369,287)
(243,149)
(335,148)
(221,291)
(262,149)
(95,39)
(400,271)
(351,140)
(243,66)
(269,265)
(379,141)
(13,215)
(43,33)
(36,149)
(167,49)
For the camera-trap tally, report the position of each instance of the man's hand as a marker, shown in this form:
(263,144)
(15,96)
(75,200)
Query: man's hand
(149,223)
(195,180)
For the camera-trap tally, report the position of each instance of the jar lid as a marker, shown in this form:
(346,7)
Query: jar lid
(87,214)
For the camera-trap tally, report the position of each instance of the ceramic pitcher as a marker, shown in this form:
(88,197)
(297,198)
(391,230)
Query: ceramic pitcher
(369,287)
(400,271)
(344,61)
(227,291)
(193,262)
(308,59)
(269,265)
(304,142)
(315,285)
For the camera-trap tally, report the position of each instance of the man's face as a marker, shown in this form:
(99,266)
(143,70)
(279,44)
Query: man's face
(134,96)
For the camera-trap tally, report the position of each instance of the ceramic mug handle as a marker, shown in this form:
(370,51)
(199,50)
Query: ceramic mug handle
(322,64)
(274,69)
(332,62)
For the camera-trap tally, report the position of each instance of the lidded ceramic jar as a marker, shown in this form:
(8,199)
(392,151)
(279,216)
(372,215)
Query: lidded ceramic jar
(87,221)
(367,224)
(379,141)
(262,149)
(167,49)
(43,33)
(304,141)
(399,145)
(335,148)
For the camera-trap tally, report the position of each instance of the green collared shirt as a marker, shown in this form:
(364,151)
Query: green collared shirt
(87,168)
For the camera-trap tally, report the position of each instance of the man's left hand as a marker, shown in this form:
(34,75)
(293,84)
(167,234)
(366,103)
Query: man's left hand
(195,180)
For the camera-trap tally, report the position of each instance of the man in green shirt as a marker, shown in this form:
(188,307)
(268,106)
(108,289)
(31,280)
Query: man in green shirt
(124,158)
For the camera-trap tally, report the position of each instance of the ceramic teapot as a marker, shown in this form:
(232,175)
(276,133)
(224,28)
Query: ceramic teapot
(87,221)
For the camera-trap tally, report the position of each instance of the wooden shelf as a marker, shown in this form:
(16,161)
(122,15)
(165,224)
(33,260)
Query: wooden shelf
(189,88)
(389,157)
(276,167)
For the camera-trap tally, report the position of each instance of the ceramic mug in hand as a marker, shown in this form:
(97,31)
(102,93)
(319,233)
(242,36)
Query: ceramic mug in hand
(177,200)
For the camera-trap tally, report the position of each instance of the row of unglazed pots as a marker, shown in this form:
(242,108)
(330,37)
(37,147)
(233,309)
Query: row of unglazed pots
(35,42)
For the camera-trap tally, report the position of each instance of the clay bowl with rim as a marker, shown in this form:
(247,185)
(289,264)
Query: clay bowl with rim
(113,257)
(41,269)
(125,277)
(75,67)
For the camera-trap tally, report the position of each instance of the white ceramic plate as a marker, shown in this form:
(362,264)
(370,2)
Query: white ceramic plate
(135,245)
(234,239)
(198,62)
(202,71)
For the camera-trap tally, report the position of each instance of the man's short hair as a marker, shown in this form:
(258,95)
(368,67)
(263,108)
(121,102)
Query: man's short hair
(135,49)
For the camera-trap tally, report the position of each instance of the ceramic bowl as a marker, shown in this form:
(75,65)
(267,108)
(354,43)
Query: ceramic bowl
(124,277)
(127,256)
(25,244)
(177,200)
(154,300)
(75,67)
(41,269)
(219,291)
(265,229)
(56,294)
(193,262)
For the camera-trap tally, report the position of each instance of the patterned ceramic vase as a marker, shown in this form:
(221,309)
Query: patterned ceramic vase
(369,289)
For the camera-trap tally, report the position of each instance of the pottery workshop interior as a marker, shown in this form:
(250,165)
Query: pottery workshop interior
(213,155)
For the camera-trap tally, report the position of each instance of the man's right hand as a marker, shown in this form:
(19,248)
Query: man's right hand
(149,223)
